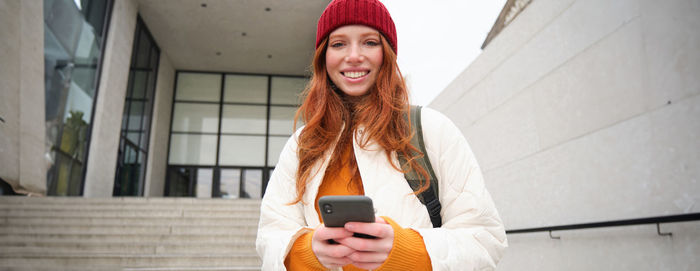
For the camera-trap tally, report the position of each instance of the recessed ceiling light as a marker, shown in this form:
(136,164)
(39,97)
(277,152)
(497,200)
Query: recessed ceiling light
(204,5)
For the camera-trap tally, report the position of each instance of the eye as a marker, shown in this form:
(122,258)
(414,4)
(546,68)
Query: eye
(337,44)
(372,43)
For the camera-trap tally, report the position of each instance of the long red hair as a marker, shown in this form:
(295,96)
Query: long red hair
(331,119)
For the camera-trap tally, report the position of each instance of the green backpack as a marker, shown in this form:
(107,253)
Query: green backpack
(429,197)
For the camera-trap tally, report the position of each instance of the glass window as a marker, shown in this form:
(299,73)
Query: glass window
(133,151)
(78,101)
(135,115)
(130,154)
(205,177)
(230,183)
(247,119)
(154,58)
(242,151)
(192,117)
(125,123)
(275,146)
(64,21)
(145,126)
(282,120)
(251,126)
(179,181)
(245,89)
(73,43)
(143,143)
(252,183)
(204,87)
(133,137)
(139,84)
(188,149)
(130,169)
(152,76)
(73,135)
(287,90)
(83,77)
(68,181)
(144,47)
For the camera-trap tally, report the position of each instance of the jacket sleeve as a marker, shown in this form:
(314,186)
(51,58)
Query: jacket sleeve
(280,223)
(472,236)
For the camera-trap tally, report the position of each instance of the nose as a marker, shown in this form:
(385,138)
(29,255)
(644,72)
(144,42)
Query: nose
(355,54)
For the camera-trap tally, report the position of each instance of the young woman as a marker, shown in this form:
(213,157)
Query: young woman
(354,111)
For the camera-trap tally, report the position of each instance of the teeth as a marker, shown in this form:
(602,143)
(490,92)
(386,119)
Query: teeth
(355,74)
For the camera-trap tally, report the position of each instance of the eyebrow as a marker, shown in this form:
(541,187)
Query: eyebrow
(361,35)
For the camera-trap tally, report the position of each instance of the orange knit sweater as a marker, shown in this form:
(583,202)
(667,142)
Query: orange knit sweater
(408,252)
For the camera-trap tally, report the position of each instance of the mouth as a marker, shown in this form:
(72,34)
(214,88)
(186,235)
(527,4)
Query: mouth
(355,74)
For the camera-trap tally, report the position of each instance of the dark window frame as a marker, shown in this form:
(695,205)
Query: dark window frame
(147,103)
(217,167)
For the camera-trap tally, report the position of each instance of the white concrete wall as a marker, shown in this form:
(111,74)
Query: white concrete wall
(9,89)
(160,129)
(109,107)
(586,111)
(22,132)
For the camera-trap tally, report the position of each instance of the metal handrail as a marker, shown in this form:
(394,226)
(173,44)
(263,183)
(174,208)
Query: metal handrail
(625,222)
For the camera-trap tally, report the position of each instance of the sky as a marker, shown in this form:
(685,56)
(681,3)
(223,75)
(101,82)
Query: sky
(437,41)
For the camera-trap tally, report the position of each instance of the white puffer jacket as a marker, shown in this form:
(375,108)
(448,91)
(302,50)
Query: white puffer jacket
(472,236)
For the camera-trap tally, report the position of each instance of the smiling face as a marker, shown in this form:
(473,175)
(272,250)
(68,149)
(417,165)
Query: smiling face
(353,58)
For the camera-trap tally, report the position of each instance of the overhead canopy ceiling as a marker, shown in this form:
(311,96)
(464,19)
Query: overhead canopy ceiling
(247,36)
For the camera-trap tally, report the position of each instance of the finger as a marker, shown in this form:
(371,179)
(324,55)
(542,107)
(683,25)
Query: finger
(374,229)
(381,220)
(324,249)
(330,262)
(368,257)
(324,233)
(371,245)
(331,256)
(337,251)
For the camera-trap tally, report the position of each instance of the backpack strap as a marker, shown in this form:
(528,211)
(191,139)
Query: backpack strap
(429,197)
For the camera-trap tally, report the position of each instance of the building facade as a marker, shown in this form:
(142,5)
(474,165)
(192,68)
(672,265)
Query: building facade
(588,111)
(150,98)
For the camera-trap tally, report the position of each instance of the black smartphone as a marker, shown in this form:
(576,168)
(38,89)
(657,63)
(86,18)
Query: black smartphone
(338,210)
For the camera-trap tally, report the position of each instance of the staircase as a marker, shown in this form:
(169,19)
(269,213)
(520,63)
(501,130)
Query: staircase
(64,233)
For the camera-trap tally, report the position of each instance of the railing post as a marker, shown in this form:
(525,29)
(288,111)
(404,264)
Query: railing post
(658,230)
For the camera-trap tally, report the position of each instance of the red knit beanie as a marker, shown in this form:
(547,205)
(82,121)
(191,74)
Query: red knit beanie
(371,13)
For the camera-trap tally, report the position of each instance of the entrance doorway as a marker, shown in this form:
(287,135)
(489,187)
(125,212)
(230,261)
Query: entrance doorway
(216,182)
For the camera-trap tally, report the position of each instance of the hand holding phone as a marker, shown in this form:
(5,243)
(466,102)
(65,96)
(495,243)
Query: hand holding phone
(338,210)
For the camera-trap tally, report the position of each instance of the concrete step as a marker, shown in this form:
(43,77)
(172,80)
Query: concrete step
(77,268)
(136,238)
(128,229)
(59,268)
(227,268)
(128,213)
(62,233)
(125,200)
(125,248)
(42,241)
(128,260)
(173,221)
(131,207)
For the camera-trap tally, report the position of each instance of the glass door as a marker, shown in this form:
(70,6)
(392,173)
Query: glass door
(215,182)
